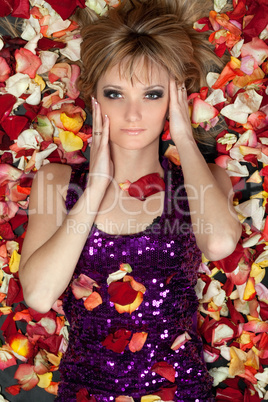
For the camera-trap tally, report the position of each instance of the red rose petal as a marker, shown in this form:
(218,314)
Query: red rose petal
(230,263)
(21,9)
(6,104)
(51,344)
(13,125)
(47,44)
(6,7)
(117,341)
(66,8)
(122,293)
(13,389)
(146,186)
(165,369)
(14,294)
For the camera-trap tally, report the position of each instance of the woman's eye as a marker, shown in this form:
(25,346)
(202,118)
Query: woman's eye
(112,94)
(154,95)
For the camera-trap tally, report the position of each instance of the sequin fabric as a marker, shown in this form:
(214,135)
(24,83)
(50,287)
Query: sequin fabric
(164,259)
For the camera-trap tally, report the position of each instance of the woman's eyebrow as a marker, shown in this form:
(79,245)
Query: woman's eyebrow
(146,88)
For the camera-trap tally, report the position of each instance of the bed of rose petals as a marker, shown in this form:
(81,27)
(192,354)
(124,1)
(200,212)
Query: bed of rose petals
(42,120)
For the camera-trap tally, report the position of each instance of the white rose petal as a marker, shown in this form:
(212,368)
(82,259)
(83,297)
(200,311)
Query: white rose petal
(215,97)
(72,50)
(212,78)
(199,287)
(17,84)
(58,24)
(213,290)
(253,209)
(48,60)
(219,4)
(263,376)
(246,102)
(41,156)
(234,168)
(32,44)
(219,374)
(58,86)
(35,97)
(29,139)
(29,31)
(236,50)
(99,6)
(1,44)
(264,34)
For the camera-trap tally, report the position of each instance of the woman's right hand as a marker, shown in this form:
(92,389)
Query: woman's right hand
(101,169)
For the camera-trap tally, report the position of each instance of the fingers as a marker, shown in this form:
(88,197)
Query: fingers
(178,92)
(100,129)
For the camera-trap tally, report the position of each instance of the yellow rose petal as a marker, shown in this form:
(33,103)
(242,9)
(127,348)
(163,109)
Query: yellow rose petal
(14,262)
(39,80)
(257,272)
(70,142)
(73,123)
(150,398)
(44,380)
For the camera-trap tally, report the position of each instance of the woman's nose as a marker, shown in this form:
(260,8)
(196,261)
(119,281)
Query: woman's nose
(133,111)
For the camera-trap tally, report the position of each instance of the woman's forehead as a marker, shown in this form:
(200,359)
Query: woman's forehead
(147,73)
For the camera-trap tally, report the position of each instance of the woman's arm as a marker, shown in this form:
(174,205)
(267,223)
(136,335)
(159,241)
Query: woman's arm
(54,239)
(209,190)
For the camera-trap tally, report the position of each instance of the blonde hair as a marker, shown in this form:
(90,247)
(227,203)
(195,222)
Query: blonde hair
(160,32)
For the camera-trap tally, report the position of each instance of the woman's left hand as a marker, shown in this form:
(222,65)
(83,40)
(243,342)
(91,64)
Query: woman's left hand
(179,119)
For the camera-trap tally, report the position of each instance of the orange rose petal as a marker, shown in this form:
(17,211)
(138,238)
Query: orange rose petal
(250,291)
(252,360)
(21,345)
(172,154)
(238,358)
(123,398)
(93,301)
(72,123)
(23,315)
(137,341)
(52,388)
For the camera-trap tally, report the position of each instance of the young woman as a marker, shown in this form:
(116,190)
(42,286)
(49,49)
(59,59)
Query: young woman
(129,265)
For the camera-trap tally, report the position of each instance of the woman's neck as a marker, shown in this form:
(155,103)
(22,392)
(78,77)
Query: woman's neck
(133,164)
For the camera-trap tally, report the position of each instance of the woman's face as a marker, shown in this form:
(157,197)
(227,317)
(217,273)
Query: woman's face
(136,108)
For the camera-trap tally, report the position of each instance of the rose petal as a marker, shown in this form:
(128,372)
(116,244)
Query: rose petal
(92,301)
(26,376)
(137,341)
(27,62)
(164,369)
(70,142)
(82,286)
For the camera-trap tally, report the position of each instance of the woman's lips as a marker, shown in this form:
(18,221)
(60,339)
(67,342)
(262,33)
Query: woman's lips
(133,131)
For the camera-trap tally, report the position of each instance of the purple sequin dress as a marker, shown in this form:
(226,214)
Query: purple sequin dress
(164,259)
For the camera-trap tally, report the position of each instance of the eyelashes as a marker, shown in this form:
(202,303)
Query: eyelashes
(111,94)
(114,94)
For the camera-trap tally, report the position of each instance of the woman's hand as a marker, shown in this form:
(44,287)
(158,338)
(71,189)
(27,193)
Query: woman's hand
(179,120)
(101,166)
